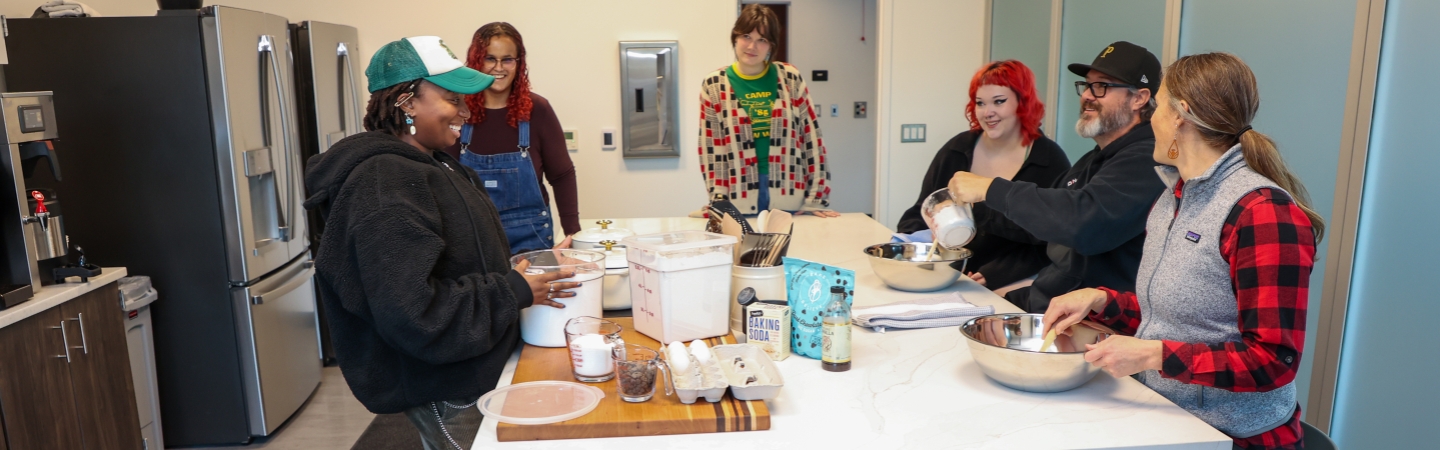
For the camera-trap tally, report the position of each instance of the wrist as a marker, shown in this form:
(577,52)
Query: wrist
(1156,359)
(1097,304)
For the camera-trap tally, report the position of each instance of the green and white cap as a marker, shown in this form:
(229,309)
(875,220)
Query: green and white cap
(426,57)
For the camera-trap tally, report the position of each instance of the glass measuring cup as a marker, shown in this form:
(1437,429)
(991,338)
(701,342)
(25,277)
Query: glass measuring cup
(952,222)
(592,343)
(636,370)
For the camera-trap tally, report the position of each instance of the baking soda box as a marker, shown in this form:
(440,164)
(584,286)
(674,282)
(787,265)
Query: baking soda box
(768,326)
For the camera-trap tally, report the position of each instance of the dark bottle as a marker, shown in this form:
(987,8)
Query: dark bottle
(835,332)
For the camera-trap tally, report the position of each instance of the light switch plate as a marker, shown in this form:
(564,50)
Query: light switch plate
(572,143)
(912,132)
(607,138)
(834,110)
(860,110)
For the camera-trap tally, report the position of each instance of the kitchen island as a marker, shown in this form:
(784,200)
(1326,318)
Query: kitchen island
(913,388)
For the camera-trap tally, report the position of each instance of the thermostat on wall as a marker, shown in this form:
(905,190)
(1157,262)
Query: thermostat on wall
(607,138)
(571,142)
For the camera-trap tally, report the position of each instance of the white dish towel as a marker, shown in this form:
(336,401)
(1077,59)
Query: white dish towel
(946,310)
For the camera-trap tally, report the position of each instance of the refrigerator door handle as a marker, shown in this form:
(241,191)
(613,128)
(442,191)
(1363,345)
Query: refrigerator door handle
(294,283)
(286,205)
(355,116)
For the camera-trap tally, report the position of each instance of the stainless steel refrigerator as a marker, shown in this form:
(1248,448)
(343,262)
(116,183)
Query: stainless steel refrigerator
(183,164)
(328,86)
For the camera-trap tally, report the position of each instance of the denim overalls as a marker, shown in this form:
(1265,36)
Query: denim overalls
(513,185)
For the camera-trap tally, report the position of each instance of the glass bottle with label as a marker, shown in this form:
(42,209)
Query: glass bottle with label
(835,332)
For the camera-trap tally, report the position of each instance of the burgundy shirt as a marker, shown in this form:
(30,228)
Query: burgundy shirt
(494,136)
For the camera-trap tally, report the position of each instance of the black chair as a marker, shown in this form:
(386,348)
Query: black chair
(1315,439)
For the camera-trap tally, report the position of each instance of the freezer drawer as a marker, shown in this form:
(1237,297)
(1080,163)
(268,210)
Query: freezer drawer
(279,352)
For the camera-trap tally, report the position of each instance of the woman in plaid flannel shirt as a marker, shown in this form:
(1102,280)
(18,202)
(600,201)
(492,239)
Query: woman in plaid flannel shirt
(761,149)
(1218,322)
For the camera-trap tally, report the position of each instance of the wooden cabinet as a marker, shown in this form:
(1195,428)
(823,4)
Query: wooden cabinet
(66,379)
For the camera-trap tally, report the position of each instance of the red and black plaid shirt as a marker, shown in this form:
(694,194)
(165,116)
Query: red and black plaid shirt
(1270,246)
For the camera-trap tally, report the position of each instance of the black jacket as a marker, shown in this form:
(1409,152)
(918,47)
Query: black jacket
(1003,252)
(413,270)
(1093,218)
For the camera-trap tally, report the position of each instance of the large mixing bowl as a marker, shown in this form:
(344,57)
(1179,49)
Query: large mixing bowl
(904,266)
(1007,348)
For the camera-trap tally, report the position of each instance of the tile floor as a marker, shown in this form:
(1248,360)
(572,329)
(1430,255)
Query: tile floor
(332,419)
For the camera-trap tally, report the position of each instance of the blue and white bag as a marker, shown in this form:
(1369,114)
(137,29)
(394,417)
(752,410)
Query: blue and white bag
(808,285)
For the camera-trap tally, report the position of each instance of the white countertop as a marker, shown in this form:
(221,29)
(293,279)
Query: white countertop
(914,388)
(49,296)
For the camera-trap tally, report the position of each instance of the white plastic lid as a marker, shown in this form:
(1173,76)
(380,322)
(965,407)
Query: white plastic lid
(540,402)
(680,240)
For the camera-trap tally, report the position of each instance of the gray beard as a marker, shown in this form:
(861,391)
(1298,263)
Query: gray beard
(1107,122)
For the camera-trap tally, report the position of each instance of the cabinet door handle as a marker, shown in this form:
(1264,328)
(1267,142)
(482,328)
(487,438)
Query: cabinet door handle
(84,346)
(66,339)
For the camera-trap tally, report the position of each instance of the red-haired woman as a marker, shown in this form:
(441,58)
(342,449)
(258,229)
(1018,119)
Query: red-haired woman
(1004,141)
(760,143)
(512,138)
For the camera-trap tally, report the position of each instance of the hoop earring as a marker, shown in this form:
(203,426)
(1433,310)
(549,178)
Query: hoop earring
(1173,153)
(411,122)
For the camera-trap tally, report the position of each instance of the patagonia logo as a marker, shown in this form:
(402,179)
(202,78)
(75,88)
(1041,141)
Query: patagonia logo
(492,183)
(1145,80)
(1071,182)
(1192,236)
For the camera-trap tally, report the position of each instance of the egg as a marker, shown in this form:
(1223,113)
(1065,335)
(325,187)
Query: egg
(700,350)
(679,357)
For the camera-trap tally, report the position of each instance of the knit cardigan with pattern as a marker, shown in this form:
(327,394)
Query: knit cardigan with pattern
(799,179)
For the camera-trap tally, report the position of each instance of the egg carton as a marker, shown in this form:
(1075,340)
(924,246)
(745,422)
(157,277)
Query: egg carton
(749,371)
(698,379)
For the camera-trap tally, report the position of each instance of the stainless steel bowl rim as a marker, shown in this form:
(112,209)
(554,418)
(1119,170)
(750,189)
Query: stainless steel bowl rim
(965,253)
(1002,315)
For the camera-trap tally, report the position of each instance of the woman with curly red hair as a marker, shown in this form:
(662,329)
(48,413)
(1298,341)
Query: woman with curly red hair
(1004,141)
(512,139)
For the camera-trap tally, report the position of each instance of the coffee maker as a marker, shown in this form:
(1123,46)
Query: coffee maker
(32,234)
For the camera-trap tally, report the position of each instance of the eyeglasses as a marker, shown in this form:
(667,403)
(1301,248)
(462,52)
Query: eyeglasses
(1098,88)
(508,62)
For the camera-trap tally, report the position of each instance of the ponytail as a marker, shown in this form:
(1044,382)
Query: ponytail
(1264,158)
(1227,89)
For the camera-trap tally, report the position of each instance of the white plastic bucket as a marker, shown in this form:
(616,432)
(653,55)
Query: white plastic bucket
(544,326)
(680,284)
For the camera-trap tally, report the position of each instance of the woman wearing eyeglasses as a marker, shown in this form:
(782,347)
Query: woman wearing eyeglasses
(512,140)
(760,145)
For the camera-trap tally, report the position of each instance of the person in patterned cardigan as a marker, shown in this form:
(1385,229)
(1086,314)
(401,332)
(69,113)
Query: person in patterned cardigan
(760,143)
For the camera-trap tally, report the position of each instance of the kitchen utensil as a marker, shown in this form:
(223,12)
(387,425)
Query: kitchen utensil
(662,415)
(1007,348)
(540,402)
(1049,340)
(761,250)
(544,325)
(637,368)
(592,238)
(952,221)
(906,266)
(779,222)
(591,342)
(724,207)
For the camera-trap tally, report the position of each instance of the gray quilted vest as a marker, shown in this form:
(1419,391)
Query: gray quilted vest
(1186,294)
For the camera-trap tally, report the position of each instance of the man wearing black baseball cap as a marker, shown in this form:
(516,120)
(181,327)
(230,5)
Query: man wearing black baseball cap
(1094,217)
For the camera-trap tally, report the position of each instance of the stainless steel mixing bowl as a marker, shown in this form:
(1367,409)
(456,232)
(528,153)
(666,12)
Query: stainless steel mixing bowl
(904,266)
(1007,348)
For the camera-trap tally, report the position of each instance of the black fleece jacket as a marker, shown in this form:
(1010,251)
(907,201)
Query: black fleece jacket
(1002,251)
(414,273)
(1093,218)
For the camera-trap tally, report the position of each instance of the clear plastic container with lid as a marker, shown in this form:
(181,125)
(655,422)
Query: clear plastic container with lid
(543,325)
(680,284)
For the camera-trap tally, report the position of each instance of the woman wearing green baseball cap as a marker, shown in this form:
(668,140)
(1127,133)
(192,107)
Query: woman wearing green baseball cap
(412,263)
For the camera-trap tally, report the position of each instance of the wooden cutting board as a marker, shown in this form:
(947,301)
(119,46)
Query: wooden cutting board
(614,417)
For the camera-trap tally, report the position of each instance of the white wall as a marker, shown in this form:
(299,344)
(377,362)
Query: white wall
(825,35)
(929,49)
(572,48)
